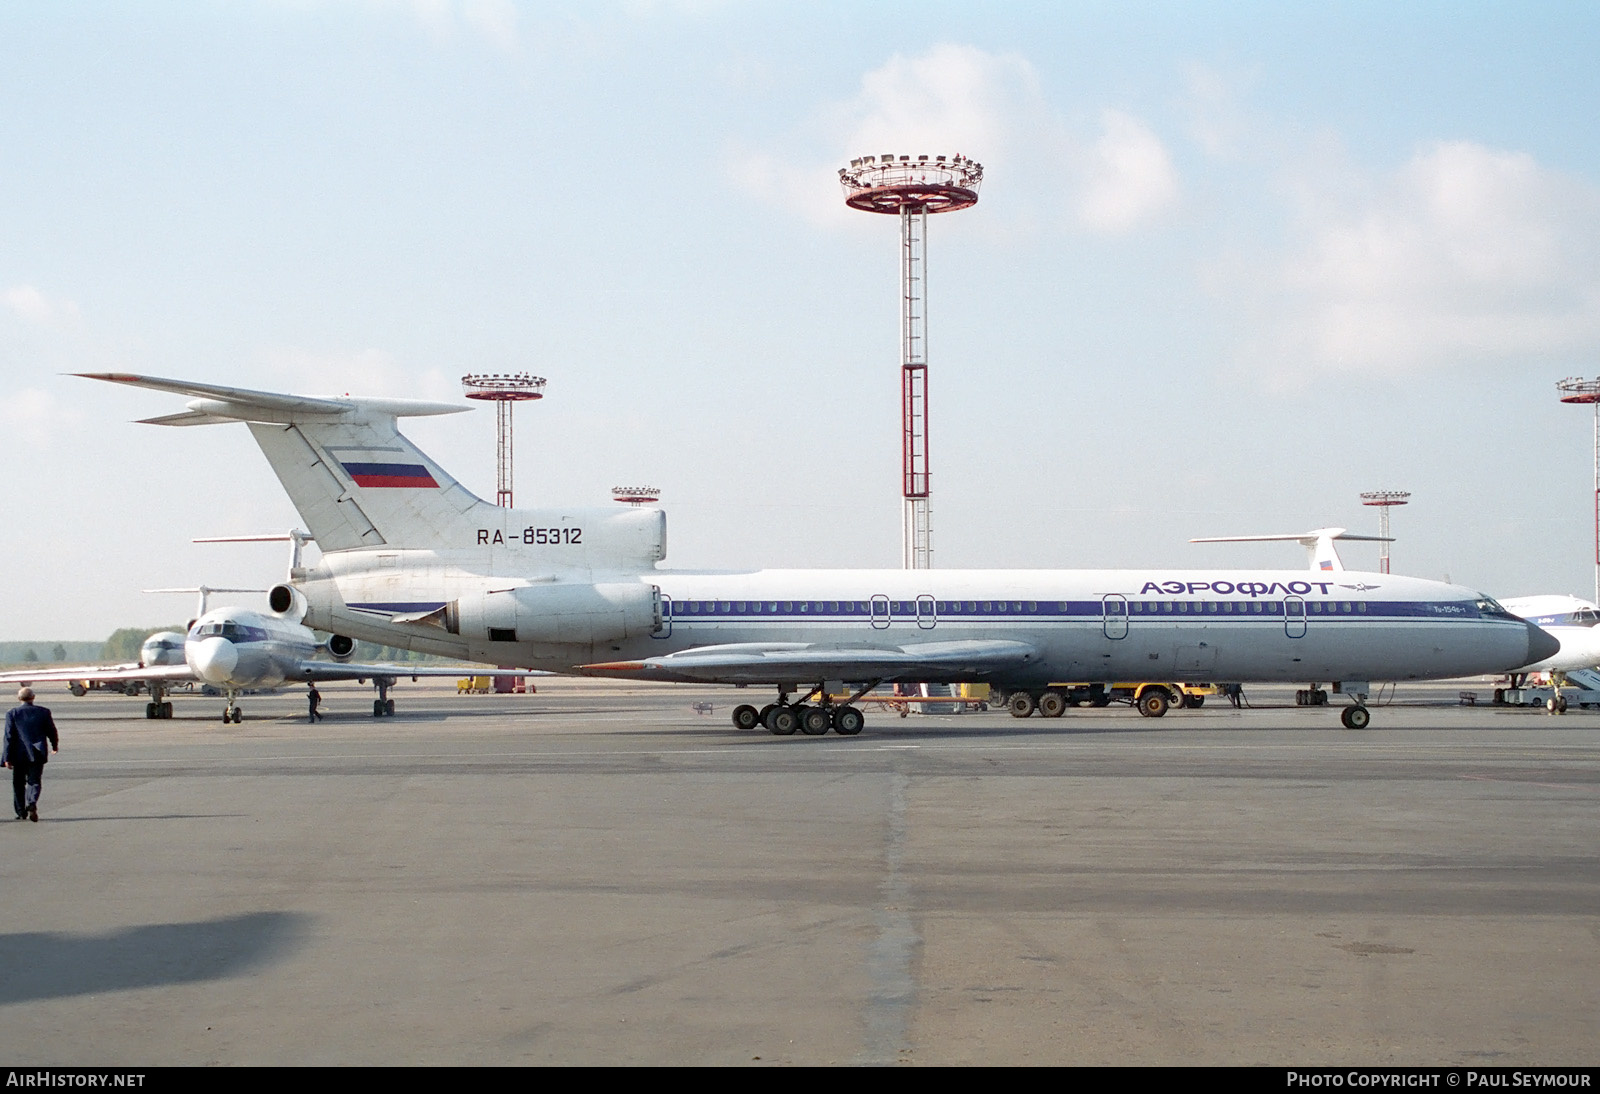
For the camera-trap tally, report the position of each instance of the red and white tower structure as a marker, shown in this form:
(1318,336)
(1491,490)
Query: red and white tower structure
(505,391)
(1575,389)
(912,187)
(1385,500)
(636,495)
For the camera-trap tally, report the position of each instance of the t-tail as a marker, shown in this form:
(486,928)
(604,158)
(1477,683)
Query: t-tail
(358,483)
(1318,544)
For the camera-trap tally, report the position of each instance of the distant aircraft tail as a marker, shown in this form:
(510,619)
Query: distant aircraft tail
(1318,544)
(356,481)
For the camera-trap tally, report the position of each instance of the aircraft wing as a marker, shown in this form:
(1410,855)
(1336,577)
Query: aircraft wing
(106,674)
(800,662)
(332,670)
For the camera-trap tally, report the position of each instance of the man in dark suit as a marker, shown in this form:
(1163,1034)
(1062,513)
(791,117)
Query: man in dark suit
(29,740)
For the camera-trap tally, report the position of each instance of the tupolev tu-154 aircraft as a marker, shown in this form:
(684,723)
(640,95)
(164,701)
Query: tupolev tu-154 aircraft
(412,559)
(234,649)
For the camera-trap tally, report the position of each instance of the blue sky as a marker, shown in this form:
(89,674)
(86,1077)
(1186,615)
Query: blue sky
(1233,265)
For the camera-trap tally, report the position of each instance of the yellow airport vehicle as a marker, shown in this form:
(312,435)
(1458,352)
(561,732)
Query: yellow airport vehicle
(1150,698)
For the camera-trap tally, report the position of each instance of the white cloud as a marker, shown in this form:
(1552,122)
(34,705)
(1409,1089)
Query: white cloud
(1128,177)
(1464,255)
(33,416)
(33,306)
(493,20)
(958,99)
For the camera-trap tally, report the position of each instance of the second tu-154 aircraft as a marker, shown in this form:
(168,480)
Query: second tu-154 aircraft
(412,559)
(236,649)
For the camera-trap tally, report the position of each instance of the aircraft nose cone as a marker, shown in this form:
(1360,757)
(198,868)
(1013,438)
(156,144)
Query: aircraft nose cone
(214,659)
(1541,644)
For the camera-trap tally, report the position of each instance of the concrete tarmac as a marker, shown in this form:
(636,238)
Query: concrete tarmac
(602,874)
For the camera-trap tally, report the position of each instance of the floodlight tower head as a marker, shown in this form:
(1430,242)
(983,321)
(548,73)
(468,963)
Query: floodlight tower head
(912,187)
(891,184)
(505,390)
(1575,389)
(636,495)
(1384,500)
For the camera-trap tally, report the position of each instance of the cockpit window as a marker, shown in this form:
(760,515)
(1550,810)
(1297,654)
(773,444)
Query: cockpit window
(1488,605)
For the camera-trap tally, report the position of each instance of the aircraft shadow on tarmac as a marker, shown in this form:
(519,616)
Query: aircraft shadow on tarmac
(55,966)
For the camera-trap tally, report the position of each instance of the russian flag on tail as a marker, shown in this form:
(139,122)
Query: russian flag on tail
(388,475)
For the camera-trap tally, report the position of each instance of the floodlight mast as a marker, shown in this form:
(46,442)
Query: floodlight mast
(1384,500)
(1575,389)
(912,188)
(504,391)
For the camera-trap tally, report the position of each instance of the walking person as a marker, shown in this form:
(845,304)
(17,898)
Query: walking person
(314,697)
(29,730)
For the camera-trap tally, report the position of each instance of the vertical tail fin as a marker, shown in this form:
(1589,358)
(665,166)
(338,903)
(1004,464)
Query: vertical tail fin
(355,480)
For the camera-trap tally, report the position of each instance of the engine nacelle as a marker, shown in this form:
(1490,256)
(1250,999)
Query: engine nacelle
(557,613)
(339,647)
(288,602)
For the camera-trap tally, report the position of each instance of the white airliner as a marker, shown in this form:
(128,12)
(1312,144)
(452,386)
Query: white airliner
(1570,620)
(234,649)
(412,559)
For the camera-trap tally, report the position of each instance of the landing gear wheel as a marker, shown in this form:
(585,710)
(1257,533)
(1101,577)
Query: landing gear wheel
(745,717)
(1154,702)
(782,721)
(388,708)
(377,708)
(1355,717)
(1052,704)
(150,711)
(238,715)
(761,717)
(847,721)
(1020,704)
(166,710)
(814,721)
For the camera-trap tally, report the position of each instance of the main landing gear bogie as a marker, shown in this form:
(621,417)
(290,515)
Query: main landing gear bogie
(784,719)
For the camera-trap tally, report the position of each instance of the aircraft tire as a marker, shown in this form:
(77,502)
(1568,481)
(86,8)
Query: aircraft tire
(1020,704)
(1052,704)
(1355,717)
(814,721)
(746,716)
(1154,702)
(166,710)
(150,711)
(782,721)
(388,707)
(848,721)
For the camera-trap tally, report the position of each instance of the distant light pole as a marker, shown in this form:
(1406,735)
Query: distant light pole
(1384,500)
(1575,389)
(504,391)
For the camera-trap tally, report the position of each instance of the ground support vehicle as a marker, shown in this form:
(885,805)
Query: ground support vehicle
(1151,698)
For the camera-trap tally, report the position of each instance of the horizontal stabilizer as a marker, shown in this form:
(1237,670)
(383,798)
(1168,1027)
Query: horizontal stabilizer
(1318,544)
(212,403)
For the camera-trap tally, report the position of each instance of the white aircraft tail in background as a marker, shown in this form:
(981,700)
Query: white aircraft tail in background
(1318,544)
